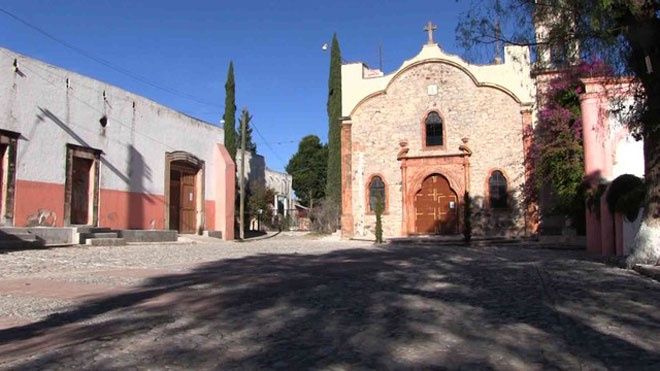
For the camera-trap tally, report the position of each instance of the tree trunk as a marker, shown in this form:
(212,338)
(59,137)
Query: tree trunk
(643,31)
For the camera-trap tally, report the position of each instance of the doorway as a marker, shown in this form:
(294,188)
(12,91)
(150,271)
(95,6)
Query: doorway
(3,169)
(8,144)
(81,190)
(183,197)
(81,195)
(184,192)
(436,207)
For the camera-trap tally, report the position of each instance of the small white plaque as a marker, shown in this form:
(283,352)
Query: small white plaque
(452,204)
(432,90)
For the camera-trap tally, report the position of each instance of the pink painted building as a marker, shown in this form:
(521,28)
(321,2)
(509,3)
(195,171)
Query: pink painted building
(77,151)
(609,151)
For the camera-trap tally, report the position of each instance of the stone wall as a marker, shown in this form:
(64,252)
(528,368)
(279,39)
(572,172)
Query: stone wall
(488,118)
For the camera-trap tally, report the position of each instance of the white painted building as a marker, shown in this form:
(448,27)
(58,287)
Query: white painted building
(80,151)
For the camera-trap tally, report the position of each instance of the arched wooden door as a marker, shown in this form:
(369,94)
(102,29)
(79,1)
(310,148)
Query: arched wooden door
(436,207)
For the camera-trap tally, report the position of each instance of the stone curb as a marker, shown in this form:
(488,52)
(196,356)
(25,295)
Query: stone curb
(651,271)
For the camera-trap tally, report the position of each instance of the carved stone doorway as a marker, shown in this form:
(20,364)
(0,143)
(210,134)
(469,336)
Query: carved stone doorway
(436,207)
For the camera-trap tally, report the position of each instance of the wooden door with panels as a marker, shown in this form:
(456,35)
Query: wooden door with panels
(183,198)
(436,207)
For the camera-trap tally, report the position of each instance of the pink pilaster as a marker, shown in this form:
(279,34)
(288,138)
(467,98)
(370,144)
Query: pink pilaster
(594,153)
(225,191)
(618,233)
(593,161)
(607,243)
(593,232)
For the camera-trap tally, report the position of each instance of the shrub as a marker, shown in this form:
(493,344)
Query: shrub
(379,219)
(626,195)
(324,217)
(467,217)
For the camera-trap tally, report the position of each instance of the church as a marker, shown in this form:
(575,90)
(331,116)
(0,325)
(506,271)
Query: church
(431,134)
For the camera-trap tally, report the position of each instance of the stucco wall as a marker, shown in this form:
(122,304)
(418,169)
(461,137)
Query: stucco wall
(280,182)
(51,107)
(488,117)
(359,82)
(255,168)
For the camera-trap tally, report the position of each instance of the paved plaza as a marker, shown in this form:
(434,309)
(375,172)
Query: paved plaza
(303,303)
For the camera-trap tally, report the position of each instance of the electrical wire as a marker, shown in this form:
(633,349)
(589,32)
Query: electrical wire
(126,72)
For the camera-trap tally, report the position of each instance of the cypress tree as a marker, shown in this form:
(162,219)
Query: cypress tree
(230,113)
(333,183)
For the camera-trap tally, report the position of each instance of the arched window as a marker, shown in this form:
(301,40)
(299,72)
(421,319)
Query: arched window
(497,190)
(376,190)
(433,128)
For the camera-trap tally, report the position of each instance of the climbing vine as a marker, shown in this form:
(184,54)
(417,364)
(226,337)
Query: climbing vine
(558,152)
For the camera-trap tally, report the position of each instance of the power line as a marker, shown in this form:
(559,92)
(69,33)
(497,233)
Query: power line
(125,71)
(268,144)
(105,62)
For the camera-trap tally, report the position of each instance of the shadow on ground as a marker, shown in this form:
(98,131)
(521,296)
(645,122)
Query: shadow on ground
(391,308)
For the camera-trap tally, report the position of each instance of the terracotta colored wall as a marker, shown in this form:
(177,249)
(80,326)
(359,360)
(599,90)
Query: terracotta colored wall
(209,212)
(130,210)
(224,173)
(117,209)
(34,198)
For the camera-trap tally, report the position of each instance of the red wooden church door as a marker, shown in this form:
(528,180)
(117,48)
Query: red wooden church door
(436,206)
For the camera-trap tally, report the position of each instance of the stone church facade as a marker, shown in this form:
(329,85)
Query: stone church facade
(423,136)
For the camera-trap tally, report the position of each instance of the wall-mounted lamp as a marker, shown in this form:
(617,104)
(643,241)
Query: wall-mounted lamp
(103,121)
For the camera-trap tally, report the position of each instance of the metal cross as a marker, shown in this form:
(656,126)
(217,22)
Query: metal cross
(430,27)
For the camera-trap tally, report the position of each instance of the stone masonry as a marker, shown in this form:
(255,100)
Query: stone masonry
(387,137)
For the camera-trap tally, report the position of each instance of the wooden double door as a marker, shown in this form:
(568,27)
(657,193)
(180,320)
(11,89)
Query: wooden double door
(436,207)
(183,199)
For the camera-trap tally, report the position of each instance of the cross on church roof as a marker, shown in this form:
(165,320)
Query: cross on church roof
(430,27)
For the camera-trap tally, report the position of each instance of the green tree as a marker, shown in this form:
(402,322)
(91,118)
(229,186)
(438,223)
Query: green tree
(380,207)
(333,185)
(308,169)
(250,146)
(230,113)
(623,33)
(467,217)
(260,198)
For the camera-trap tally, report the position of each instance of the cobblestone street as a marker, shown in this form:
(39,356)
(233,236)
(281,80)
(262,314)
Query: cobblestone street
(299,303)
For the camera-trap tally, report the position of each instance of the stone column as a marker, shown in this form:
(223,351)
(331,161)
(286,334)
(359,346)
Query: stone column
(593,130)
(594,154)
(346,180)
(607,226)
(404,195)
(618,233)
(532,208)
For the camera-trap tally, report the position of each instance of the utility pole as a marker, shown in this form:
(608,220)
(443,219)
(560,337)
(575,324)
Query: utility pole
(245,118)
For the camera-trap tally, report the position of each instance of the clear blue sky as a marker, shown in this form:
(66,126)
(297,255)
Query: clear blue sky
(281,71)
